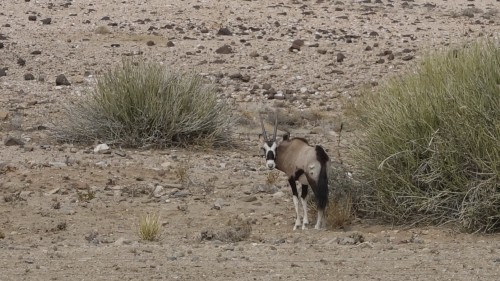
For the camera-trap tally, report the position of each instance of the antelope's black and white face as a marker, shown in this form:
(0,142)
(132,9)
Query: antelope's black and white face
(269,148)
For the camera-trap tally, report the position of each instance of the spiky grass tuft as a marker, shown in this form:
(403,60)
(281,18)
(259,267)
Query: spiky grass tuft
(143,104)
(431,147)
(149,227)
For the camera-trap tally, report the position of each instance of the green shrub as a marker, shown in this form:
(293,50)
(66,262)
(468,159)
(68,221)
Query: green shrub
(430,152)
(142,104)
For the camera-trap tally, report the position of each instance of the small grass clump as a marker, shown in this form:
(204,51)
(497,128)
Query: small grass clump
(149,227)
(142,104)
(341,197)
(430,152)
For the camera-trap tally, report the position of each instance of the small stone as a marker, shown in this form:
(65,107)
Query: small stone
(150,43)
(3,71)
(170,44)
(121,153)
(340,57)
(32,18)
(61,80)
(57,164)
(279,194)
(158,191)
(249,199)
(21,62)
(408,57)
(29,76)
(122,241)
(224,31)
(4,115)
(219,202)
(11,141)
(102,148)
(224,50)
(296,45)
(235,76)
(254,54)
(321,51)
(53,191)
(266,86)
(47,21)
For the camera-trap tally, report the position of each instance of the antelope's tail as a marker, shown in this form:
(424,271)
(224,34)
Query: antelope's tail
(322,193)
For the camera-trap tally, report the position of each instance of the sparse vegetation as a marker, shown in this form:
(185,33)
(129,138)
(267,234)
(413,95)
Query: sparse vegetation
(86,195)
(142,104)
(431,150)
(149,227)
(341,197)
(236,230)
(182,171)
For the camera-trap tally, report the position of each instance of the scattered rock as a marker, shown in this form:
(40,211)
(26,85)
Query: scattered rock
(4,115)
(254,54)
(150,43)
(340,57)
(122,241)
(47,21)
(296,45)
(158,191)
(3,71)
(408,57)
(92,237)
(219,202)
(249,199)
(225,49)
(61,80)
(11,141)
(102,149)
(32,18)
(21,62)
(29,76)
(352,239)
(170,44)
(225,32)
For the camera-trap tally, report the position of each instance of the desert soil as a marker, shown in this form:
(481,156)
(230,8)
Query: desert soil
(52,229)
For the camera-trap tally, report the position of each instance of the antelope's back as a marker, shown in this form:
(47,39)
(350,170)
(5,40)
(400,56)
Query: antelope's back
(297,154)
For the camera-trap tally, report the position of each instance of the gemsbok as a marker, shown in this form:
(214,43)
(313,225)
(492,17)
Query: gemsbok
(300,162)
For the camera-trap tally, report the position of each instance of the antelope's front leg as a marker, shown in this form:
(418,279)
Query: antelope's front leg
(291,180)
(303,199)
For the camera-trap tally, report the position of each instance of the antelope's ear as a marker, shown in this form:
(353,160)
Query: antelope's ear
(286,136)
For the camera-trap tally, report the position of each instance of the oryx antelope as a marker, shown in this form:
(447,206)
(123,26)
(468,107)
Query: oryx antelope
(300,162)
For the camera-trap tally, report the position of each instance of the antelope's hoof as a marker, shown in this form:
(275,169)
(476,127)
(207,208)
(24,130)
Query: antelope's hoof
(304,227)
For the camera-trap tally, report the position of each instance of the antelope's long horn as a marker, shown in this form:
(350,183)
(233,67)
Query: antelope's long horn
(275,125)
(263,128)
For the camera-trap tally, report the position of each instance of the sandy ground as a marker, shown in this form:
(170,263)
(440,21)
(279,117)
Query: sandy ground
(49,231)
